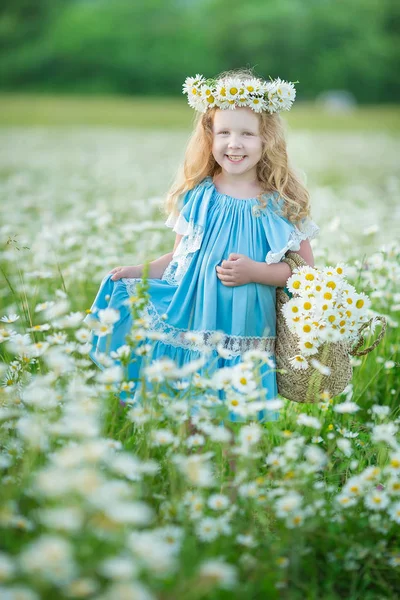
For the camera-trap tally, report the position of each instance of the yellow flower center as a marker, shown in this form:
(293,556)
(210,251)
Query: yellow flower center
(360,303)
(296,284)
(307,305)
(297,520)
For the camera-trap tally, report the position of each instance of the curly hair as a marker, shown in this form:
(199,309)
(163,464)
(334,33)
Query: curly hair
(273,170)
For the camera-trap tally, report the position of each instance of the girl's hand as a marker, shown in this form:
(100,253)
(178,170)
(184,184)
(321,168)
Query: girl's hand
(237,270)
(129,272)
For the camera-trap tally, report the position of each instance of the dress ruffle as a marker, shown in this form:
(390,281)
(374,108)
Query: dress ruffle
(289,238)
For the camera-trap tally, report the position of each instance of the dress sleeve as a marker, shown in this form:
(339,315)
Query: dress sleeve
(194,209)
(190,223)
(282,234)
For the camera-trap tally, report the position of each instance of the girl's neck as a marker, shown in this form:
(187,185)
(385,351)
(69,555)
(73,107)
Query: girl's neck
(237,185)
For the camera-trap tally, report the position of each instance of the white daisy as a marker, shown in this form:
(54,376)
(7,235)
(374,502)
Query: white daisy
(308,421)
(376,500)
(345,501)
(346,407)
(287,504)
(296,519)
(243,380)
(254,86)
(323,369)
(218,572)
(257,103)
(394,514)
(394,463)
(233,86)
(191,82)
(10,318)
(298,362)
(308,346)
(207,529)
(108,316)
(218,501)
(250,434)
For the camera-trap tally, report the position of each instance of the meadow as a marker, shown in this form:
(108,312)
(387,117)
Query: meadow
(110,502)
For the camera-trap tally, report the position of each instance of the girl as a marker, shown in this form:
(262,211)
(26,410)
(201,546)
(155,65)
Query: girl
(236,208)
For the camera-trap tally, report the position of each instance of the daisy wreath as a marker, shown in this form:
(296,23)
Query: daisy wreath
(272,96)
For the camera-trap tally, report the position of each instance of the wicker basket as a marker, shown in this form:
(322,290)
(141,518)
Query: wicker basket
(307,385)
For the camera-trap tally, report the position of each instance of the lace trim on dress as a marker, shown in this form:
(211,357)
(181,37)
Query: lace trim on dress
(178,223)
(181,258)
(176,337)
(309,230)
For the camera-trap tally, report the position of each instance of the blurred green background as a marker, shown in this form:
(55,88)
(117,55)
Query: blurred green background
(145,48)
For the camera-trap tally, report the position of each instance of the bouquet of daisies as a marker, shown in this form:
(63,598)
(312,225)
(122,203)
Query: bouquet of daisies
(316,331)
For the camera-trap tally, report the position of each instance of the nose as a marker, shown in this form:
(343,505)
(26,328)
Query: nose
(234,142)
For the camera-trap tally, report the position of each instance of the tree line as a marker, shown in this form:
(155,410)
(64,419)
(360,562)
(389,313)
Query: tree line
(148,47)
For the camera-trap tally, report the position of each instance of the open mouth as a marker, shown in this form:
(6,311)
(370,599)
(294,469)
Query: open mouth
(235,158)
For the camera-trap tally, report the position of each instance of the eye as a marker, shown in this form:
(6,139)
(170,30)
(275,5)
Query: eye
(224,132)
(248,133)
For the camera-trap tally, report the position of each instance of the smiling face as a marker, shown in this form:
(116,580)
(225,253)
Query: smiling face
(237,145)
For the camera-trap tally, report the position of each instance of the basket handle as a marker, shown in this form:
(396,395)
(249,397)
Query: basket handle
(361,339)
(294,260)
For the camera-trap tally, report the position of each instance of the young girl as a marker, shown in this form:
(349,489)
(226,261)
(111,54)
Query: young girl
(236,209)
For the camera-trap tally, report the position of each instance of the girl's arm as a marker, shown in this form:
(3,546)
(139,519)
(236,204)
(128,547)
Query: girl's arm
(277,274)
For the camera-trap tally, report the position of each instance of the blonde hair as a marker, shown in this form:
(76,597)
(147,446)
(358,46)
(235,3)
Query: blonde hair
(273,170)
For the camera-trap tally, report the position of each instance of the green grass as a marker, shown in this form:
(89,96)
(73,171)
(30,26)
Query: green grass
(149,113)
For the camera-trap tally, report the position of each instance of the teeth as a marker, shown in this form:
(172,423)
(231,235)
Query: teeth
(232,157)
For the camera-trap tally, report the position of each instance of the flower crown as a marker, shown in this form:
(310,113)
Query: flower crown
(272,96)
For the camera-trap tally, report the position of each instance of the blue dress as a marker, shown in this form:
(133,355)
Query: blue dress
(190,297)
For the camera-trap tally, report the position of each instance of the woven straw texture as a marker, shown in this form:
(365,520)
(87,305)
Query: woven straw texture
(307,385)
